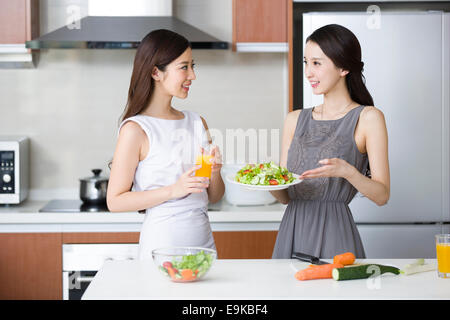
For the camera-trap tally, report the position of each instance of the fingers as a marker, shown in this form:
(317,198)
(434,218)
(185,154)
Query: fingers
(198,179)
(193,190)
(315,173)
(197,182)
(191,170)
(198,185)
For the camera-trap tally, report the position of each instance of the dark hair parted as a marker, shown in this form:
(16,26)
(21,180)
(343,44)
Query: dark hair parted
(343,48)
(158,49)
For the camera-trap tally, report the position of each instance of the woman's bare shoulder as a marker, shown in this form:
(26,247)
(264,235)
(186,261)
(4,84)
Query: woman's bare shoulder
(133,132)
(372,121)
(371,113)
(292,116)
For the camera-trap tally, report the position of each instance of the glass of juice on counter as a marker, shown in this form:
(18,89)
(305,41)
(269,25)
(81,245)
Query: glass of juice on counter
(443,255)
(205,161)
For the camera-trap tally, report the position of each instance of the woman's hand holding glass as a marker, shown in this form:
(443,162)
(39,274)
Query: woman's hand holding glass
(187,184)
(211,162)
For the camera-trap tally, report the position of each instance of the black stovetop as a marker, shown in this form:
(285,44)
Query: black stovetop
(72,206)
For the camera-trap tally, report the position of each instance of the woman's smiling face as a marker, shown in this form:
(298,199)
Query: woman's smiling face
(320,71)
(178,76)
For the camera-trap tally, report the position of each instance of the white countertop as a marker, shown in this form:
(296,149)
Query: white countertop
(223,216)
(260,279)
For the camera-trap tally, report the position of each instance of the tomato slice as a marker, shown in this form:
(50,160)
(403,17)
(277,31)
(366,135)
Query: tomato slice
(273,182)
(285,178)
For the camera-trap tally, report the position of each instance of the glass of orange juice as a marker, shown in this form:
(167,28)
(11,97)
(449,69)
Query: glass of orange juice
(205,161)
(443,255)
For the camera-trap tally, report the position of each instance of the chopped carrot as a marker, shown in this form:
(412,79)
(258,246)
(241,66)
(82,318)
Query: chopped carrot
(171,272)
(317,272)
(187,274)
(345,258)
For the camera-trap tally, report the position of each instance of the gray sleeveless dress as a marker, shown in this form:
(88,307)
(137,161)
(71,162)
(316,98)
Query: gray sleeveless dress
(317,220)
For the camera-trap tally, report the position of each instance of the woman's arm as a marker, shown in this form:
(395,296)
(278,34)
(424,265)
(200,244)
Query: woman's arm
(216,187)
(288,133)
(376,188)
(126,158)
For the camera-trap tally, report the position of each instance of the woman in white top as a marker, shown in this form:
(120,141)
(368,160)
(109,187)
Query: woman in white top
(153,164)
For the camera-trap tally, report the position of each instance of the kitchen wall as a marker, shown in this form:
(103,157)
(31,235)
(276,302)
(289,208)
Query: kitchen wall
(70,104)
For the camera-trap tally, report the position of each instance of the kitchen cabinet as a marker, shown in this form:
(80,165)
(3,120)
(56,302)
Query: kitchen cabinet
(19,21)
(260,25)
(30,266)
(245,244)
(229,244)
(100,237)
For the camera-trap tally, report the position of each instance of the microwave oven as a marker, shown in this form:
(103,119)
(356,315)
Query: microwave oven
(14,169)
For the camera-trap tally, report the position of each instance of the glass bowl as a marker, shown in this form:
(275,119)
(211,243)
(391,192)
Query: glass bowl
(184,264)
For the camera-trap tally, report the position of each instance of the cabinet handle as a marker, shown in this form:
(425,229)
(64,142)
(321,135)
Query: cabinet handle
(84,279)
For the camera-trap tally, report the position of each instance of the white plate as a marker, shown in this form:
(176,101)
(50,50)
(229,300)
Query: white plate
(230,179)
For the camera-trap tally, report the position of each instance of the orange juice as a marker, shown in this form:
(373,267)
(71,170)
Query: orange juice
(443,257)
(205,161)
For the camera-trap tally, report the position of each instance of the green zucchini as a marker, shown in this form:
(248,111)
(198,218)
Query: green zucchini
(362,272)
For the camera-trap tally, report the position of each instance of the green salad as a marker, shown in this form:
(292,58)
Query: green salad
(200,261)
(264,174)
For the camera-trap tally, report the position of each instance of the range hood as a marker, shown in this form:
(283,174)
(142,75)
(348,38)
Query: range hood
(118,24)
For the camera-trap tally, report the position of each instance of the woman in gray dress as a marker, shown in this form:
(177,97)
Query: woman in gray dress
(330,146)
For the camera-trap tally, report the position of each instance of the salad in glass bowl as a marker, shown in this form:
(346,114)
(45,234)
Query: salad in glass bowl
(184,264)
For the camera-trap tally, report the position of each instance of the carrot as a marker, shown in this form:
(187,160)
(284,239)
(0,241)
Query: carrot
(187,274)
(318,272)
(345,258)
(171,272)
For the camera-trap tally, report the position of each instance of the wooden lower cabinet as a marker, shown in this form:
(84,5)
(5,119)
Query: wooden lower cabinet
(30,266)
(229,244)
(31,263)
(101,237)
(245,244)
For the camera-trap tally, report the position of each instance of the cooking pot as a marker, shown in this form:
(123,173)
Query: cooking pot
(93,189)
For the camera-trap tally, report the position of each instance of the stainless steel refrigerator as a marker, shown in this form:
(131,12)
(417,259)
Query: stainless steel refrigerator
(407,69)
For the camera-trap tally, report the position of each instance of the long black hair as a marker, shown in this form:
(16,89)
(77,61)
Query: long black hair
(343,48)
(158,49)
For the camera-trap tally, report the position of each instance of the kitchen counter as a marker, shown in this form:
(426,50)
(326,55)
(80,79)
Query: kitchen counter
(223,217)
(260,279)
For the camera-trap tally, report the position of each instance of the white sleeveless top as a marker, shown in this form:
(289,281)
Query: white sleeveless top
(174,145)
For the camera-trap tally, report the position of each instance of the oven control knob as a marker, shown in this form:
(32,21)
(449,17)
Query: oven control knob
(6,178)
